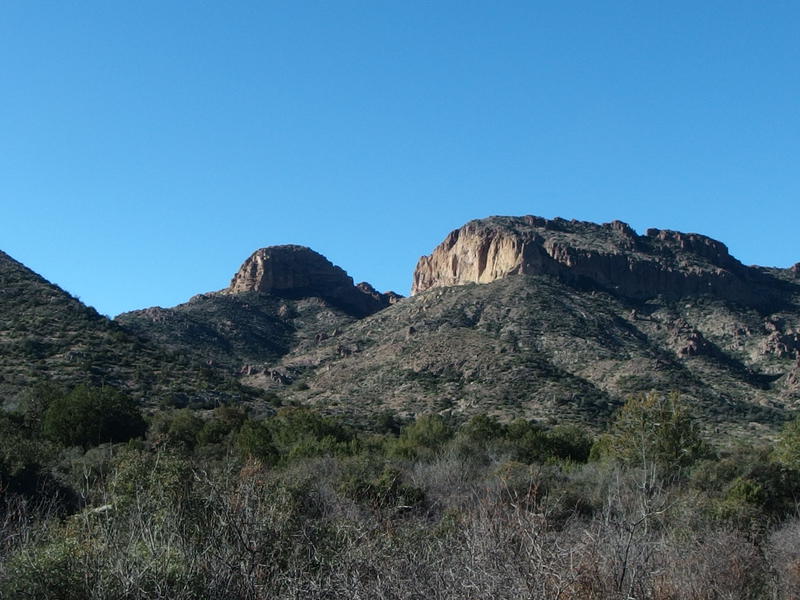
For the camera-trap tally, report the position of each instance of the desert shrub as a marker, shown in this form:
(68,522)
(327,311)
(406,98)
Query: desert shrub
(225,422)
(24,462)
(422,439)
(89,416)
(783,554)
(765,491)
(519,484)
(787,450)
(214,431)
(569,442)
(482,439)
(295,433)
(652,429)
(482,429)
(177,428)
(35,402)
(303,433)
(720,563)
(386,422)
(254,440)
(54,569)
(386,490)
(528,442)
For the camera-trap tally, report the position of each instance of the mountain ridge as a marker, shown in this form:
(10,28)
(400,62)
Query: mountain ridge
(514,316)
(611,256)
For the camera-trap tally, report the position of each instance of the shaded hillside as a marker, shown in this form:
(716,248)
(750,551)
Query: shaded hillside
(238,329)
(46,334)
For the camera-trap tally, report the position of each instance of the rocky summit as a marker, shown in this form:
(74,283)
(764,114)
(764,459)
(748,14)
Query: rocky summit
(298,271)
(611,257)
(281,298)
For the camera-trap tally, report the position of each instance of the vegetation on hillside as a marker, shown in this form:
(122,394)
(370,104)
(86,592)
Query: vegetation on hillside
(225,504)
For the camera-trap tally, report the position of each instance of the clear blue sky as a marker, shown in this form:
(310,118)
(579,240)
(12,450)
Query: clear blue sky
(147,148)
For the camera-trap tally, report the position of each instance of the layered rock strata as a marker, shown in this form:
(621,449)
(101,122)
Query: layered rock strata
(611,256)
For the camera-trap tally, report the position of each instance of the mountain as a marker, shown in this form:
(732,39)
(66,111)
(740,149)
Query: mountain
(281,297)
(563,320)
(611,257)
(514,316)
(48,335)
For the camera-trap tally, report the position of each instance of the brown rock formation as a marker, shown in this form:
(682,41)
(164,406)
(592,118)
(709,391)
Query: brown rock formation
(611,256)
(297,271)
(384,298)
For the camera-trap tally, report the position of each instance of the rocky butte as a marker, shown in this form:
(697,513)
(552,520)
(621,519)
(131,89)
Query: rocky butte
(297,271)
(611,256)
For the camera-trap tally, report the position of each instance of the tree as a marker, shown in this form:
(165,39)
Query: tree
(254,440)
(178,428)
(423,438)
(89,416)
(787,450)
(652,429)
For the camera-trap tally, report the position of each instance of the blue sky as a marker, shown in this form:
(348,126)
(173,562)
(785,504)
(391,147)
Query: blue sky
(147,148)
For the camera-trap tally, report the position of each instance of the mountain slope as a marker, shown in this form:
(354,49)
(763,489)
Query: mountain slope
(280,298)
(572,335)
(46,334)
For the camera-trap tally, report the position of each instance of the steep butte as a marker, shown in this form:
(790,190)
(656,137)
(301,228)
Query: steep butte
(612,256)
(297,272)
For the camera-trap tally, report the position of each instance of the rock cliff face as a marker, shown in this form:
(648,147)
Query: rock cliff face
(297,271)
(610,256)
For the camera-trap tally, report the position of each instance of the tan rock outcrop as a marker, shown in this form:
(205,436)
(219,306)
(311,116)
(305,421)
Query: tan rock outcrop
(298,271)
(611,256)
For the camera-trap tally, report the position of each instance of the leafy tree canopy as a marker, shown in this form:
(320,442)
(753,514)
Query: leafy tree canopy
(89,416)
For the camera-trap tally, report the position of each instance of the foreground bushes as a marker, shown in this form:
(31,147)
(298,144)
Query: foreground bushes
(300,505)
(336,528)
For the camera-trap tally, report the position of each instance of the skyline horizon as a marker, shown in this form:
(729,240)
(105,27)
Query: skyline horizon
(405,292)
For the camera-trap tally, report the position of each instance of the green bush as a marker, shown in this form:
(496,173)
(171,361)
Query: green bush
(254,440)
(54,570)
(35,402)
(303,433)
(787,450)
(89,416)
(177,428)
(22,458)
(151,480)
(569,442)
(483,429)
(422,439)
(387,490)
(528,442)
(652,429)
